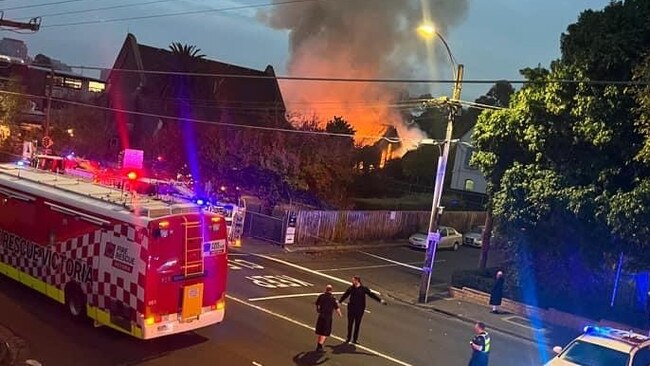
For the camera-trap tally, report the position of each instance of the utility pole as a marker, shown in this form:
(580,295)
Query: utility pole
(33,24)
(433,237)
(49,88)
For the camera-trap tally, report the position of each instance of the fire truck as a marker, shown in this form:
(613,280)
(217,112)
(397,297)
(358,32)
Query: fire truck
(142,265)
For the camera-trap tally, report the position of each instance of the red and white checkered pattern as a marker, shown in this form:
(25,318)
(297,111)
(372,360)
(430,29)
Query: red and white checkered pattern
(108,281)
(117,284)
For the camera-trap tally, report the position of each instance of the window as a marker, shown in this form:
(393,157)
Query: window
(584,353)
(72,83)
(469,185)
(642,357)
(58,81)
(96,87)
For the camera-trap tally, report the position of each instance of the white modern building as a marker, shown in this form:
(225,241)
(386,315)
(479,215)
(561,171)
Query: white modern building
(465,177)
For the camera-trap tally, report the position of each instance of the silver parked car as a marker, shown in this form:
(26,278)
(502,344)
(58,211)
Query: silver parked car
(474,238)
(450,238)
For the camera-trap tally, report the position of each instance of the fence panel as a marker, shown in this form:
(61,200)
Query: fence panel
(264,227)
(350,226)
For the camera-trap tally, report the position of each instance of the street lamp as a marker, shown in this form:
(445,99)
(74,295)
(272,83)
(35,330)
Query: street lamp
(428,32)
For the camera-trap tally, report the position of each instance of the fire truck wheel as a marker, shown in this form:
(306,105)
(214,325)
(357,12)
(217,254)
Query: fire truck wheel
(75,301)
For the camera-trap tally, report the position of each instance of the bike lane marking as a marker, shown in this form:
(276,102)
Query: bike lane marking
(308,270)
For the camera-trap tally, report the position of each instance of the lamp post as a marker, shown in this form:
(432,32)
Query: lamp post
(428,32)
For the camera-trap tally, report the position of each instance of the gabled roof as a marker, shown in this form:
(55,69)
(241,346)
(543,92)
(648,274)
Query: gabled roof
(250,92)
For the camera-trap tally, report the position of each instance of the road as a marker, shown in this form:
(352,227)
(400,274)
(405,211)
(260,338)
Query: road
(269,320)
(396,268)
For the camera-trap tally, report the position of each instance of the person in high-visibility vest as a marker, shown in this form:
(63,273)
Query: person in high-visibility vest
(480,346)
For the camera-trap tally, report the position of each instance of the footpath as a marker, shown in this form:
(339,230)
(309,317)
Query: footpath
(547,328)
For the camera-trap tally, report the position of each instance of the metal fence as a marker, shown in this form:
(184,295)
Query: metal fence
(264,227)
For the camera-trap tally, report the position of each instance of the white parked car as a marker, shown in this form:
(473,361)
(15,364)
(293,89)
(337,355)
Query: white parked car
(603,346)
(449,239)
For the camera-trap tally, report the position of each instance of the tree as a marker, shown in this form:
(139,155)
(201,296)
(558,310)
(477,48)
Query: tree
(339,126)
(81,130)
(419,165)
(499,95)
(186,51)
(12,103)
(562,163)
(642,73)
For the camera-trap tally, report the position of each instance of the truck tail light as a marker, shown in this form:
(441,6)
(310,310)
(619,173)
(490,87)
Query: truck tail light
(221,303)
(215,223)
(151,320)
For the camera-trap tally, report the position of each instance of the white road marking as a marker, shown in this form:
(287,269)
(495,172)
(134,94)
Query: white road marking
(305,269)
(509,320)
(303,325)
(244,263)
(361,267)
(289,296)
(282,281)
(396,262)
(256,363)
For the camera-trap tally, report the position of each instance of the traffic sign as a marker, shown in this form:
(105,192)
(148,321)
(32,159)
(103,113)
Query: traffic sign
(47,142)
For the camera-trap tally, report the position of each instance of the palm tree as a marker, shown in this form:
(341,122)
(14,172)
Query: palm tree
(186,51)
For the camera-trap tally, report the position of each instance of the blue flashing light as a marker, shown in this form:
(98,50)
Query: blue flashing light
(596,330)
(200,202)
(21,163)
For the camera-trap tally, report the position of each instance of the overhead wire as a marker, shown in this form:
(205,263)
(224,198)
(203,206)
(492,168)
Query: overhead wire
(42,4)
(112,7)
(180,13)
(261,76)
(216,123)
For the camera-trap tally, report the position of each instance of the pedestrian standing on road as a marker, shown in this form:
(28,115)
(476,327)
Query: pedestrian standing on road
(357,305)
(480,346)
(325,306)
(497,293)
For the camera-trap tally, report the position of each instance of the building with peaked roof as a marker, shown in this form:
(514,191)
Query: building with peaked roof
(147,80)
(465,177)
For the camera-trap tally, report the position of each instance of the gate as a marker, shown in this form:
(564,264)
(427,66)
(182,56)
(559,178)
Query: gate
(264,227)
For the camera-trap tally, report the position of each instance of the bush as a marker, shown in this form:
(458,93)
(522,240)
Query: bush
(593,306)
(478,279)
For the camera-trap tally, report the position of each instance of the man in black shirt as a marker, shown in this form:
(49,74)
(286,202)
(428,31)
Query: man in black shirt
(325,306)
(357,305)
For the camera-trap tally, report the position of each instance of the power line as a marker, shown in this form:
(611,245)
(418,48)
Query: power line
(214,123)
(112,7)
(43,4)
(191,12)
(316,105)
(480,105)
(365,80)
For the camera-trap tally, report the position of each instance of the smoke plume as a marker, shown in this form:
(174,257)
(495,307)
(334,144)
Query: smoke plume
(359,39)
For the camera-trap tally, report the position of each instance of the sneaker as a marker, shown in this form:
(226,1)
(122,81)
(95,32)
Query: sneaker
(319,347)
